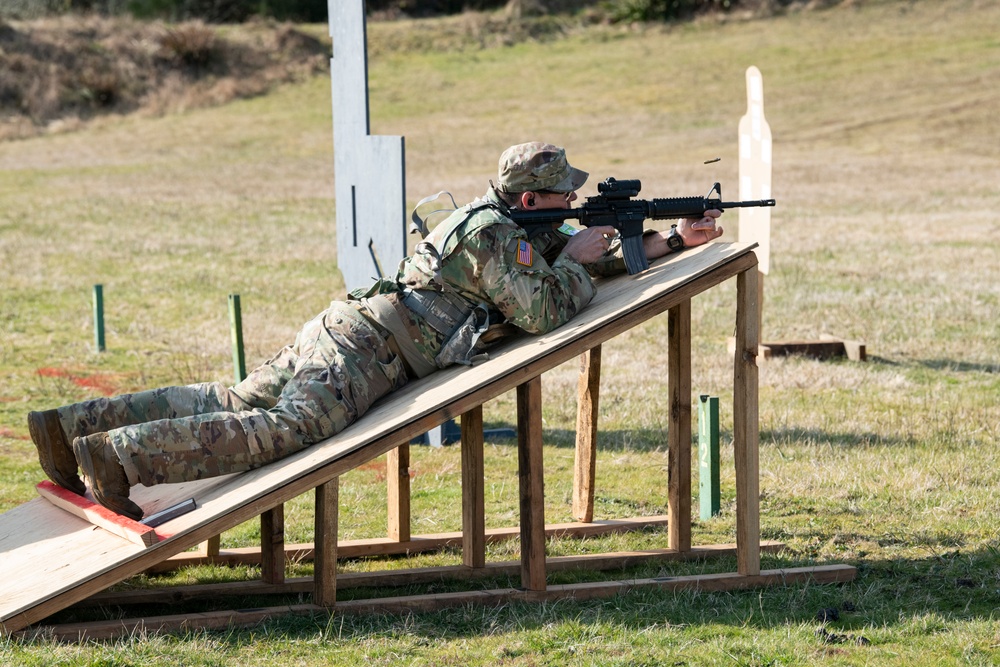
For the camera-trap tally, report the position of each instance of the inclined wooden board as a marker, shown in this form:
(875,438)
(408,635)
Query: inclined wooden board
(52,559)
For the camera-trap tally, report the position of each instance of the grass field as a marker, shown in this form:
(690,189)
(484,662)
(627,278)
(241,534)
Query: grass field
(887,176)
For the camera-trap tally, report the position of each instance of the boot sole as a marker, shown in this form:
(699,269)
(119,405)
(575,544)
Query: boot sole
(40,434)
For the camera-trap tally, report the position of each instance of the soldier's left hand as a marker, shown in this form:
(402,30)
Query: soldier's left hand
(699,231)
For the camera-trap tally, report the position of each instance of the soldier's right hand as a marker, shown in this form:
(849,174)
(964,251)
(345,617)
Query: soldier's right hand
(590,244)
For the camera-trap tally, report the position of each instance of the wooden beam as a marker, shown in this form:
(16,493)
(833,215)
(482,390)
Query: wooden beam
(585,461)
(397,476)
(679,430)
(212,546)
(101,630)
(325,568)
(272,545)
(473,489)
(746,426)
(530,477)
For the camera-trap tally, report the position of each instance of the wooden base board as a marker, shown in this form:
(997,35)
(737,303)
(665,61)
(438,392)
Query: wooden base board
(99,630)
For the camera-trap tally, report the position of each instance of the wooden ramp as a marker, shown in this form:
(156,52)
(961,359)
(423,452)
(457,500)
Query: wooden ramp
(53,559)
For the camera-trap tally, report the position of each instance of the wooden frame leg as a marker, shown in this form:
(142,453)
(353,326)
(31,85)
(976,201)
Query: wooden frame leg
(325,544)
(473,491)
(585,462)
(531,483)
(398,485)
(746,434)
(679,429)
(212,546)
(272,545)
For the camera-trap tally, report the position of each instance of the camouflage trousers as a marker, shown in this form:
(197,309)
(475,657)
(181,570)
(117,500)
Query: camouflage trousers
(338,366)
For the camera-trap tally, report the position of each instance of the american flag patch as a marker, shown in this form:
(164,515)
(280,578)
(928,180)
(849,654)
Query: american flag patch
(524,252)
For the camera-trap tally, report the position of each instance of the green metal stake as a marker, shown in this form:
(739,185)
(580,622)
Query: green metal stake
(708,455)
(99,317)
(236,331)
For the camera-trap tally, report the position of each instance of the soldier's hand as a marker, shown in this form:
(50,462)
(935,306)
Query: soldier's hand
(590,244)
(696,231)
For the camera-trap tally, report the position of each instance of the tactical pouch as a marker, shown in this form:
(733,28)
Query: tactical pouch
(460,348)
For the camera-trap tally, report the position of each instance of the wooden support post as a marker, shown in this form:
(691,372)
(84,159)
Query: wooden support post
(745,425)
(272,545)
(585,463)
(708,456)
(397,477)
(325,554)
(213,546)
(531,482)
(679,429)
(473,490)
(760,305)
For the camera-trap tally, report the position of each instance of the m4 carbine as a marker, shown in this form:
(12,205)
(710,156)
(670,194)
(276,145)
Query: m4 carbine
(615,206)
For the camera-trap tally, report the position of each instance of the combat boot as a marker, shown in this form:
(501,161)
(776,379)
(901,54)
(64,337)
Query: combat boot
(54,453)
(105,474)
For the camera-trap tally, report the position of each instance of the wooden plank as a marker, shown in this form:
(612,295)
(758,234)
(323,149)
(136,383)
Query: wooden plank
(746,425)
(679,431)
(397,476)
(325,569)
(473,490)
(530,478)
(102,630)
(585,457)
(224,503)
(100,516)
(272,545)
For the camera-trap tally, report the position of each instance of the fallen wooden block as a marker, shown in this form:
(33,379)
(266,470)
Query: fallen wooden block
(100,516)
(827,347)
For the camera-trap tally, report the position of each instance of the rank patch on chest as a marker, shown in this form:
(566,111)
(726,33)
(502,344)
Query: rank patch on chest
(524,253)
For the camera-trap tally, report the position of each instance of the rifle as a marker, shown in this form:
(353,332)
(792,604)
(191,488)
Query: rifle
(616,207)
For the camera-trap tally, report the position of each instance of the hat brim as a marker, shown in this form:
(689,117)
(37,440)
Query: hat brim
(571,183)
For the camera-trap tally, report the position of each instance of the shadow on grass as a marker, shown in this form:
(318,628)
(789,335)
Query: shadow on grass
(887,595)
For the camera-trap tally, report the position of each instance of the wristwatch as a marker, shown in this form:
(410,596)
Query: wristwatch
(674,240)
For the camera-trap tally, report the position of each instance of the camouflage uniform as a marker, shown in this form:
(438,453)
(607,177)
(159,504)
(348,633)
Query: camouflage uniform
(475,269)
(337,367)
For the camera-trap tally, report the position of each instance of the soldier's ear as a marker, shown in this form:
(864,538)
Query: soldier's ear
(527,200)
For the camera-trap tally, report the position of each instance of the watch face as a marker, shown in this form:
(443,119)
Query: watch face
(675,242)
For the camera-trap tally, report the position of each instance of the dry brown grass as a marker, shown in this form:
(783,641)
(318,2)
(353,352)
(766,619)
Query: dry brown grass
(57,73)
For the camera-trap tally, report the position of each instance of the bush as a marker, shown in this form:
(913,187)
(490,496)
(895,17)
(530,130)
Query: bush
(666,10)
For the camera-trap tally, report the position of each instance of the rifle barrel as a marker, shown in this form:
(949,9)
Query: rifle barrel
(744,204)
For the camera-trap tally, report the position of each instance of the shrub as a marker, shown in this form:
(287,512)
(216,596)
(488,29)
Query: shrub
(192,44)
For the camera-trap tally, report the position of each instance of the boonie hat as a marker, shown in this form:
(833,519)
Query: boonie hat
(538,166)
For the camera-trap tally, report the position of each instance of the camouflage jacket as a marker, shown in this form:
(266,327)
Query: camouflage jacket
(478,257)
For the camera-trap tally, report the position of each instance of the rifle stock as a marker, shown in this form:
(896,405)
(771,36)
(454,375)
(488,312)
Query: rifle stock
(616,206)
